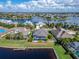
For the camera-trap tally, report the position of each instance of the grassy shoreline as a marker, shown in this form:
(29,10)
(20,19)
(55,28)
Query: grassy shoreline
(23,44)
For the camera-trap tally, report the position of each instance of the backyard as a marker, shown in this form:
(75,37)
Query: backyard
(24,44)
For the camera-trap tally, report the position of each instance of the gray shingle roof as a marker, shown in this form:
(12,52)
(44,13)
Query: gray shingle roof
(61,34)
(40,32)
(74,45)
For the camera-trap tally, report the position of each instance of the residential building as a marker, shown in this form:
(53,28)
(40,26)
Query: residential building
(39,24)
(40,34)
(62,33)
(74,45)
(74,48)
(24,31)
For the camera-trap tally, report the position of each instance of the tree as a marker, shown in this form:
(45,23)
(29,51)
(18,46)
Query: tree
(49,36)
(7,36)
(30,39)
(19,36)
(59,24)
(52,25)
(65,40)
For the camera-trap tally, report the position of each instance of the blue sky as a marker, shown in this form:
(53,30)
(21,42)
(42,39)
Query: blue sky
(14,1)
(39,5)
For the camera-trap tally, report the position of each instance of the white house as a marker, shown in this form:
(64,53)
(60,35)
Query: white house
(28,22)
(39,24)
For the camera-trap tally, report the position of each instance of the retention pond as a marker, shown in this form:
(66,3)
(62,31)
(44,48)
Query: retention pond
(29,53)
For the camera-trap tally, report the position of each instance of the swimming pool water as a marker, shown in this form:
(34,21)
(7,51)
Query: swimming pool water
(77,53)
(2,30)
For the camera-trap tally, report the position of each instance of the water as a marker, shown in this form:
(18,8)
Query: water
(2,30)
(38,19)
(70,20)
(6,53)
(77,53)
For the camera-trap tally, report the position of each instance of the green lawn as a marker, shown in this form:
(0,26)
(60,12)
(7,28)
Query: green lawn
(13,43)
(24,44)
(61,52)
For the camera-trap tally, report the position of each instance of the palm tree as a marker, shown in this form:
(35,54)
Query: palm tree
(7,36)
(19,36)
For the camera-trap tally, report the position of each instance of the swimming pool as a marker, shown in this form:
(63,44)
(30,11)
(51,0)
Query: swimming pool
(77,53)
(2,30)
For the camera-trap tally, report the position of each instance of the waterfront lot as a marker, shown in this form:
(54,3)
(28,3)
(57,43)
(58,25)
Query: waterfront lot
(24,44)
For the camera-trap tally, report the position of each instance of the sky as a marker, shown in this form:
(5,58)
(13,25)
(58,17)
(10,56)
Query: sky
(39,5)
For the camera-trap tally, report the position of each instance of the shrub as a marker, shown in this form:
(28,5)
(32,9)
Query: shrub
(49,36)
(40,40)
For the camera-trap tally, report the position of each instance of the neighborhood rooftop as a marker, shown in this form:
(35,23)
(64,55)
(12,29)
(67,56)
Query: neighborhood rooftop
(62,33)
(41,32)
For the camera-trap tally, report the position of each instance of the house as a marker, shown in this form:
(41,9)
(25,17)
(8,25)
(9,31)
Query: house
(62,33)
(74,45)
(74,48)
(39,24)
(40,34)
(28,22)
(7,21)
(24,31)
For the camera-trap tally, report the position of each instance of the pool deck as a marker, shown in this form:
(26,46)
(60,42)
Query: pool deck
(22,29)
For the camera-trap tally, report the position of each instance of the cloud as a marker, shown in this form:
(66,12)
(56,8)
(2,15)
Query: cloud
(38,5)
(1,6)
(22,6)
(64,1)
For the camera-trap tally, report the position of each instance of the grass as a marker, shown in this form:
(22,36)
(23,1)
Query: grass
(24,44)
(12,43)
(61,52)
